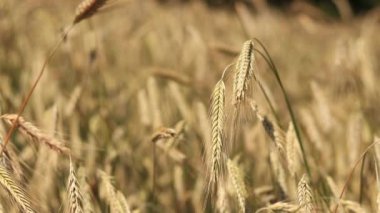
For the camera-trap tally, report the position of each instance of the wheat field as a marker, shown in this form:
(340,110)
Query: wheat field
(152,106)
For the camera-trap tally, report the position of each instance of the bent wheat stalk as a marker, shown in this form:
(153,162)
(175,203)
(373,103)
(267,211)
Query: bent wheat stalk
(275,71)
(29,130)
(84,10)
(87,8)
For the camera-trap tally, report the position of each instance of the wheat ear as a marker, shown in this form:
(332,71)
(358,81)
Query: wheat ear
(109,193)
(304,194)
(217,124)
(244,71)
(237,180)
(292,151)
(87,8)
(75,197)
(29,130)
(15,191)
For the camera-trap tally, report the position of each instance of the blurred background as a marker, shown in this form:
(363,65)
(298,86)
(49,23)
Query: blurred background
(138,66)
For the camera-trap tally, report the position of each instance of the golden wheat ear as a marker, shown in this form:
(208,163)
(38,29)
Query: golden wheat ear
(88,8)
(216,163)
(74,195)
(244,72)
(15,191)
(29,130)
(304,194)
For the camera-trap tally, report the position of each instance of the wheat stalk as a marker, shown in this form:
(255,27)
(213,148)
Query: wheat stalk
(304,194)
(292,151)
(217,124)
(244,71)
(75,197)
(29,130)
(15,191)
(237,179)
(87,8)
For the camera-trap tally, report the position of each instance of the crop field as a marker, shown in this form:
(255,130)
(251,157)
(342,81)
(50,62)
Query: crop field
(185,106)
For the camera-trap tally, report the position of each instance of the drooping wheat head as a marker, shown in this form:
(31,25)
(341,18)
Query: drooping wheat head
(29,130)
(215,155)
(87,8)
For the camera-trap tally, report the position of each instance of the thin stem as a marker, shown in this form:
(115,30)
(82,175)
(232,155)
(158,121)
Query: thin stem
(29,95)
(352,172)
(290,109)
(362,180)
(154,173)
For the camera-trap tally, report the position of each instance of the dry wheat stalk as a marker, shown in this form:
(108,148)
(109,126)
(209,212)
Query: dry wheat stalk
(237,180)
(15,191)
(292,151)
(244,72)
(87,8)
(29,130)
(304,194)
(217,124)
(75,197)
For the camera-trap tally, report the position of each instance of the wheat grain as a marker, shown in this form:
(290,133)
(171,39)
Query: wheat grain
(75,197)
(87,8)
(304,194)
(237,179)
(15,191)
(292,151)
(29,130)
(244,71)
(217,124)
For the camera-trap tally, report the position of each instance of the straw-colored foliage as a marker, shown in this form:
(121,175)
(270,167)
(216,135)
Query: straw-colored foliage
(140,105)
